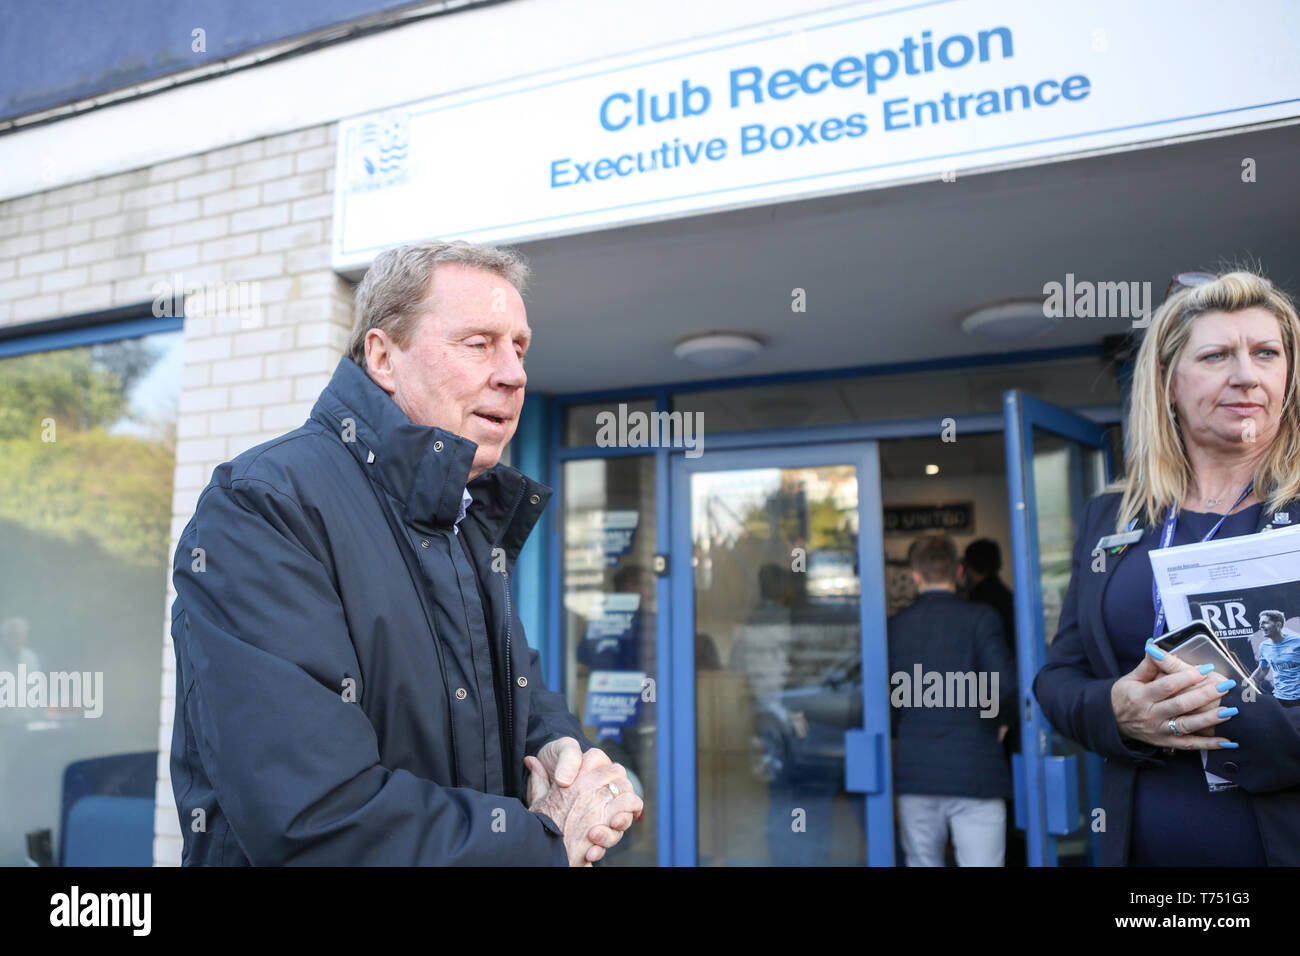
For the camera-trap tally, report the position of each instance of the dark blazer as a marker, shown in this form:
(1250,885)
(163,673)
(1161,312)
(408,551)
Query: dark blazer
(1073,689)
(952,750)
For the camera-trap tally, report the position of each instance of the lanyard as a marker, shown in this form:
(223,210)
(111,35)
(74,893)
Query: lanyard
(1171,522)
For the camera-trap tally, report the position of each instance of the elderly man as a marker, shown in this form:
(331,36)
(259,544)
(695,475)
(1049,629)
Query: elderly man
(353,685)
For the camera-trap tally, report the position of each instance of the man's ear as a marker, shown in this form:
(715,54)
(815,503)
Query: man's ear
(380,351)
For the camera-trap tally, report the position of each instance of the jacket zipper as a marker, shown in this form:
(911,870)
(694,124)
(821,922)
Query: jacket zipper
(510,678)
(407,550)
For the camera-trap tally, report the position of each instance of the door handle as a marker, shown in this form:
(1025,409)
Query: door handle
(1061,790)
(1060,793)
(862,761)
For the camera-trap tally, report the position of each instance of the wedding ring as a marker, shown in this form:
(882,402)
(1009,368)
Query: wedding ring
(613,789)
(1175,729)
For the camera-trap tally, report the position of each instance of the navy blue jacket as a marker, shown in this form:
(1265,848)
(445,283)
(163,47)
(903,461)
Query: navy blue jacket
(319,717)
(1073,688)
(952,750)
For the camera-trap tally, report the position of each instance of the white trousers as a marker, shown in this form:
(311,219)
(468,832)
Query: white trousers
(978,828)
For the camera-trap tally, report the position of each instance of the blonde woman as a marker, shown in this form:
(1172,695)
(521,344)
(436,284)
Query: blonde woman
(1213,451)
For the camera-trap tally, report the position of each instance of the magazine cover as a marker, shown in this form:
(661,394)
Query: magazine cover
(1248,590)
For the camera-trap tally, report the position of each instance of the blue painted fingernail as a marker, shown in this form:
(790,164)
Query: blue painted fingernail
(1229,745)
(1205,668)
(1155,652)
(1228,712)
(1227,685)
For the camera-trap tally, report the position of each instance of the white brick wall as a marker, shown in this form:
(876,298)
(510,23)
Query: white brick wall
(259,213)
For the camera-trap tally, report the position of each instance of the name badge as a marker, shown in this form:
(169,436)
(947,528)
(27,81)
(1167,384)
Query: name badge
(1119,540)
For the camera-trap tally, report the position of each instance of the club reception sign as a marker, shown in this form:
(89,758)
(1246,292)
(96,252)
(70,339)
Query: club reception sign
(845,99)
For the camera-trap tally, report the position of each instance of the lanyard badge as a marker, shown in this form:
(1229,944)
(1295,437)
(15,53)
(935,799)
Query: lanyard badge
(1167,536)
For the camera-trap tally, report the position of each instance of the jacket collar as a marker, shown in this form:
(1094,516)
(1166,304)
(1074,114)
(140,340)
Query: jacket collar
(507,503)
(425,469)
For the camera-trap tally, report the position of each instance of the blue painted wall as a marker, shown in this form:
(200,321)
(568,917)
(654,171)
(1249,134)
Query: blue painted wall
(56,51)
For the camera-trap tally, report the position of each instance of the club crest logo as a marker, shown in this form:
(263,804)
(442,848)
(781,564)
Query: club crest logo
(378,153)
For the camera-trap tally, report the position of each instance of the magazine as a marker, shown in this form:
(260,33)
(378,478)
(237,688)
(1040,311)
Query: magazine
(1247,589)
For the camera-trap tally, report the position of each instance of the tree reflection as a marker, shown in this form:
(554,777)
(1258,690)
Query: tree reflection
(64,472)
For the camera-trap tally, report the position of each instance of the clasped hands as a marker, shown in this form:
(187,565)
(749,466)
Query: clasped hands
(574,790)
(1163,693)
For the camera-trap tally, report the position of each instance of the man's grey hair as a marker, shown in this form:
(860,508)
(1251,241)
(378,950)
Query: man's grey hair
(395,291)
(1274,616)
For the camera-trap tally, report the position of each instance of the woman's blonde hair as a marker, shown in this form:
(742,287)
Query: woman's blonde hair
(1157,471)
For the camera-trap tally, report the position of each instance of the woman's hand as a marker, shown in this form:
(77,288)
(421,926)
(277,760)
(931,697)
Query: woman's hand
(1164,689)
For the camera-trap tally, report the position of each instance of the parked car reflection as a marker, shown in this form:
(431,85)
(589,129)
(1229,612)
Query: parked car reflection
(801,729)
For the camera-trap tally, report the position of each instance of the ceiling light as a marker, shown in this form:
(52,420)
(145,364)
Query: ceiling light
(717,349)
(932,469)
(1007,321)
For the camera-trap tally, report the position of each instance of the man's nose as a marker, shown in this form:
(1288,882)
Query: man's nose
(510,370)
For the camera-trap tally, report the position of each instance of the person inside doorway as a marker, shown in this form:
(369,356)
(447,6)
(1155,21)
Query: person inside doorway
(949,770)
(981,563)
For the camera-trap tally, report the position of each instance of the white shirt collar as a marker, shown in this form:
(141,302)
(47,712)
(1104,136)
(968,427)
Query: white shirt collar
(465,501)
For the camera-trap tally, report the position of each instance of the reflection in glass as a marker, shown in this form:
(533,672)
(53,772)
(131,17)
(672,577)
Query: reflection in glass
(776,605)
(610,622)
(1066,475)
(913,394)
(582,422)
(87,458)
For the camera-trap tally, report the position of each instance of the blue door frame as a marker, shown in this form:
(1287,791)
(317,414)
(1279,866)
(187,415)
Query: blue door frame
(554,649)
(1045,783)
(749,442)
(867,750)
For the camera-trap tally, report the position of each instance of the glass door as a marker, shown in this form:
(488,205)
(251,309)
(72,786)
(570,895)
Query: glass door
(1056,461)
(778,623)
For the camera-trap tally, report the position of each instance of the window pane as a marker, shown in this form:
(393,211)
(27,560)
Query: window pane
(778,674)
(941,393)
(1066,474)
(581,428)
(610,613)
(87,461)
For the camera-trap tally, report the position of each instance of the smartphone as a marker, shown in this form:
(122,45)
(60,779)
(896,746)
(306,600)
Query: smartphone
(1197,644)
